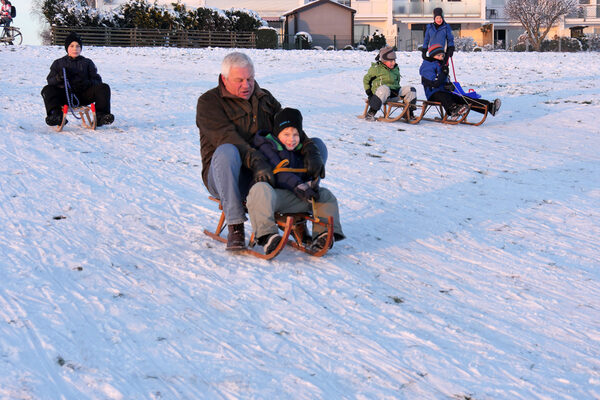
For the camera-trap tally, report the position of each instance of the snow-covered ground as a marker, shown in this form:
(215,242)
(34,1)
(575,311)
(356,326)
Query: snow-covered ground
(471,268)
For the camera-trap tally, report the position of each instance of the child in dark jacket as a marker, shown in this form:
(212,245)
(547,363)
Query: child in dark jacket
(438,32)
(434,76)
(83,80)
(295,190)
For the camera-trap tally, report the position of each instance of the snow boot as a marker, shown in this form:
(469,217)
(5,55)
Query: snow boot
(495,106)
(105,119)
(54,118)
(269,242)
(236,239)
(320,242)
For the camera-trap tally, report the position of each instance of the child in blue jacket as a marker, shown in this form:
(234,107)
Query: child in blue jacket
(295,191)
(438,32)
(434,76)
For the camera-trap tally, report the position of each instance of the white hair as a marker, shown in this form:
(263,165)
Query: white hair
(235,59)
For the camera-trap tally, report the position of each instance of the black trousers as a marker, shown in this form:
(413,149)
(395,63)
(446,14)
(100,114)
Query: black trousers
(55,98)
(449,99)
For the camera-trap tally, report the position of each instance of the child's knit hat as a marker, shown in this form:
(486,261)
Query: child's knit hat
(435,49)
(438,11)
(286,118)
(72,37)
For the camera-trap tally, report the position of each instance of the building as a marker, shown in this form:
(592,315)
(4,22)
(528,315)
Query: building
(329,23)
(403,22)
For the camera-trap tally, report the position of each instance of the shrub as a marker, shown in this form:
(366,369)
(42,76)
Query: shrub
(375,41)
(464,43)
(266,38)
(303,40)
(567,44)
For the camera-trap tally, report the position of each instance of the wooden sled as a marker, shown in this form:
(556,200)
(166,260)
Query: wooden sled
(87,114)
(398,111)
(289,223)
(394,110)
(287,228)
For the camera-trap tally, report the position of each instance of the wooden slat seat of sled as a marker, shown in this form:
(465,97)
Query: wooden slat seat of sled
(298,241)
(86,113)
(287,228)
(391,107)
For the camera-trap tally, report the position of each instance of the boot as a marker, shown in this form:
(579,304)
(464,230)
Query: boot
(104,119)
(54,118)
(236,239)
(370,115)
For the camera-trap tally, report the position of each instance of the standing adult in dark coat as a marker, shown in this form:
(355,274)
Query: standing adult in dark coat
(228,116)
(84,82)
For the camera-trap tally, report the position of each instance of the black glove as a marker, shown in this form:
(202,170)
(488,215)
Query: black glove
(369,92)
(445,70)
(59,78)
(449,86)
(449,51)
(424,54)
(305,192)
(312,160)
(261,169)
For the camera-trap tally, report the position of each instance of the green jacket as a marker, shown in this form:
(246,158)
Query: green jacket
(379,75)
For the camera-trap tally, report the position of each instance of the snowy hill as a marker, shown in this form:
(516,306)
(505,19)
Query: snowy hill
(471,268)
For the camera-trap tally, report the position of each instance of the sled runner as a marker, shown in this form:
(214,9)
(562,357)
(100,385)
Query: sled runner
(289,223)
(87,114)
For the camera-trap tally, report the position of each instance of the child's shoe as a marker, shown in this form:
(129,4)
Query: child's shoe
(54,118)
(105,119)
(495,106)
(320,242)
(457,112)
(370,115)
(270,242)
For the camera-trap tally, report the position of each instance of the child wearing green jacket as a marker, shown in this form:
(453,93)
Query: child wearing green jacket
(382,81)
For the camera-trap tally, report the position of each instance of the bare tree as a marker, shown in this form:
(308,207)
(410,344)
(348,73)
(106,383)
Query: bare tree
(538,16)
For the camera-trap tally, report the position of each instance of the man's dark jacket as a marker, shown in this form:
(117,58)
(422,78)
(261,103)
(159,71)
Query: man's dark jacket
(224,118)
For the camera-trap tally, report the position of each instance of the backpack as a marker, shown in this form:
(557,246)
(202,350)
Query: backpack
(13,11)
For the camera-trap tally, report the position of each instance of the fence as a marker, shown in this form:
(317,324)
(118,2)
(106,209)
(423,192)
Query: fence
(130,37)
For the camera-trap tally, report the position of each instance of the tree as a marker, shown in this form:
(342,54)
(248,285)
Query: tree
(538,16)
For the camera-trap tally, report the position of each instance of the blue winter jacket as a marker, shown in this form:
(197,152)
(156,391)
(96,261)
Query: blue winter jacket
(438,35)
(432,77)
(275,151)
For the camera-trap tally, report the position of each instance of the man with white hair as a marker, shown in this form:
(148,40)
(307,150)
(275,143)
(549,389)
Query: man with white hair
(228,116)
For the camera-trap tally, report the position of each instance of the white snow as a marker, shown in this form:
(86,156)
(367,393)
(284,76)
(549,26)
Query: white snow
(470,270)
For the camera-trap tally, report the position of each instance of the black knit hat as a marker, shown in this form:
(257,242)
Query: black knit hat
(286,118)
(72,37)
(438,11)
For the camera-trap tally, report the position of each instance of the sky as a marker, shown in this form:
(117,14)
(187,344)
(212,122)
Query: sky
(27,21)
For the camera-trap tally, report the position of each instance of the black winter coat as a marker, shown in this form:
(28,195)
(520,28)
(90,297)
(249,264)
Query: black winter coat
(81,73)
(275,151)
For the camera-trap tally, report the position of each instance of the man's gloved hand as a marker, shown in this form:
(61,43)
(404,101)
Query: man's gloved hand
(369,92)
(305,192)
(261,169)
(312,160)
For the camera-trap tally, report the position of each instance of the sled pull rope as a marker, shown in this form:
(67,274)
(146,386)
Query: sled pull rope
(72,100)
(456,80)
